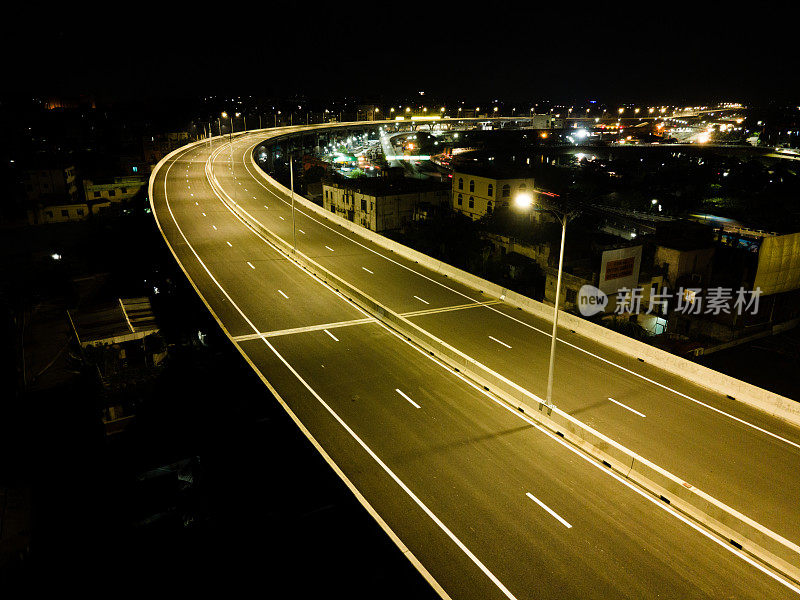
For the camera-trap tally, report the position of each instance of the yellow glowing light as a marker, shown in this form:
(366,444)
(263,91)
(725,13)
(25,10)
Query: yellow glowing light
(523,200)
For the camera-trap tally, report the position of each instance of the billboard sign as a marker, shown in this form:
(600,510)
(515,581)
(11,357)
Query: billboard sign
(620,269)
(778,264)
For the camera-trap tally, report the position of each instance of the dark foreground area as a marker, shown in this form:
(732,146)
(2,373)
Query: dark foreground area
(213,485)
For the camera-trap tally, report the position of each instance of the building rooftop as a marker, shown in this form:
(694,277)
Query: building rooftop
(114,322)
(491,171)
(384,186)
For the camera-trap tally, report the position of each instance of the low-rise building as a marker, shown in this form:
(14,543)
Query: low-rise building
(115,189)
(121,341)
(52,195)
(685,263)
(547,121)
(43,214)
(478,190)
(381,203)
(49,184)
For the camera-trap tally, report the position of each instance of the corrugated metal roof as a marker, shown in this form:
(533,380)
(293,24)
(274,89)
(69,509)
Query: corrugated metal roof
(113,322)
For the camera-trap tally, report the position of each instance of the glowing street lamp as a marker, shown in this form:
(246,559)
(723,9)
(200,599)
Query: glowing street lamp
(523,200)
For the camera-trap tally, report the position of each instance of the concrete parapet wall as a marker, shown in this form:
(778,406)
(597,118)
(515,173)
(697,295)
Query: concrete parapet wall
(735,528)
(769,402)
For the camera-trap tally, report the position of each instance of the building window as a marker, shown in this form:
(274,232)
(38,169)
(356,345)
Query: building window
(460,200)
(471,202)
(112,192)
(460,183)
(80,212)
(506,191)
(64,213)
(363,205)
(522,187)
(472,186)
(490,192)
(97,194)
(489,206)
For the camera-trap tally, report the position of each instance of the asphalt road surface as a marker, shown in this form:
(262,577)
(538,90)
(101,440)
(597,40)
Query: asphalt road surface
(485,502)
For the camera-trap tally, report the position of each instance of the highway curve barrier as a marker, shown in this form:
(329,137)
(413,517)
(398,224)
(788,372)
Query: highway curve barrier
(727,523)
(774,404)
(735,528)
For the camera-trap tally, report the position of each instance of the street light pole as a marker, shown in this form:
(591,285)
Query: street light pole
(549,398)
(291,184)
(563,214)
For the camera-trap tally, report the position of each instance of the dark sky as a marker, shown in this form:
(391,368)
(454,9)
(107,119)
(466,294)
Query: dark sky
(672,52)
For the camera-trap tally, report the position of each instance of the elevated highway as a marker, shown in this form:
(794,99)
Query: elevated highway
(484,500)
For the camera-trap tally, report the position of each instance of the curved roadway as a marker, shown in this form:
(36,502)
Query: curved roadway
(482,500)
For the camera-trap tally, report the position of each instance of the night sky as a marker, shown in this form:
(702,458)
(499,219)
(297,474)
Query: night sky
(670,53)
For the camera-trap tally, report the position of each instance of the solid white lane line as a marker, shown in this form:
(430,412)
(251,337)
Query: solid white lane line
(368,271)
(476,561)
(301,231)
(215,227)
(296,330)
(251,264)
(267,207)
(335,339)
(282,294)
(281,218)
(628,407)
(407,398)
(229,244)
(204,214)
(421,300)
(548,509)
(329,248)
(443,309)
(196,204)
(499,342)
